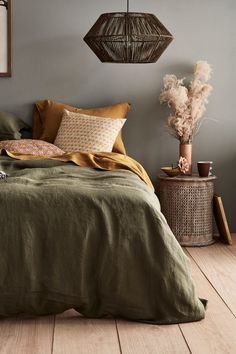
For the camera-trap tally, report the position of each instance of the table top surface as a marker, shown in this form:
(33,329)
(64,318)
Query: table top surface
(183,178)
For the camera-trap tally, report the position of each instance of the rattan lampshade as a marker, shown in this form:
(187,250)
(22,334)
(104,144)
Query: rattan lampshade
(128,37)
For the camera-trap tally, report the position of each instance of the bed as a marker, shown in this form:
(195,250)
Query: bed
(84,230)
(91,239)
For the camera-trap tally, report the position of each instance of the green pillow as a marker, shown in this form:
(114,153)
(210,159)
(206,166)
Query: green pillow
(10,126)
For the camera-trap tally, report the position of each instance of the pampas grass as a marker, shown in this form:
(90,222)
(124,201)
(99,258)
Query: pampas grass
(187,103)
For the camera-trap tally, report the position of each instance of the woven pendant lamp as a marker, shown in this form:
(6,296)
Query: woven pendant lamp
(128,37)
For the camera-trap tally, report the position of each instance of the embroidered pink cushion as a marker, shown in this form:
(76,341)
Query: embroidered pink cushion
(31,146)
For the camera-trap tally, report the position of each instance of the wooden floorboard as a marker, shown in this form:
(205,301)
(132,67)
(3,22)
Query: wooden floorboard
(23,335)
(214,274)
(219,266)
(139,338)
(77,335)
(232,247)
(217,332)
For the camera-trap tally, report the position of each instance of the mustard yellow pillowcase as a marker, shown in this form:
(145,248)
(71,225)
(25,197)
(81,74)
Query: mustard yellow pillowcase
(48,116)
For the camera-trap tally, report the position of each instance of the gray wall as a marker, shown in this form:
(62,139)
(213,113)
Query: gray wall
(50,60)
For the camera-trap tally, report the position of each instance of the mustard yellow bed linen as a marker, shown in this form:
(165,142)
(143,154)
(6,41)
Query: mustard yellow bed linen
(102,160)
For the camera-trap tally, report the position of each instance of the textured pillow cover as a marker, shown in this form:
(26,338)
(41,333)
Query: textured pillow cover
(10,126)
(31,146)
(80,132)
(48,115)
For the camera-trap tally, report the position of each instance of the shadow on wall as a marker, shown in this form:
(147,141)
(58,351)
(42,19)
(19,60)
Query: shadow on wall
(225,186)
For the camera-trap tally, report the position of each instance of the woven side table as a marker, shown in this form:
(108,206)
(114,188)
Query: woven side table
(186,202)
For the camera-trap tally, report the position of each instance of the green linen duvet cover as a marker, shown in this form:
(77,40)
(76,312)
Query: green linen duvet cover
(92,240)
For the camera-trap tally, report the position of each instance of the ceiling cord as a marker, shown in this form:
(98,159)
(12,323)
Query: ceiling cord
(127,5)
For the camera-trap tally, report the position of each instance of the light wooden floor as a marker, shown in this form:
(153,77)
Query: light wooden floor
(214,272)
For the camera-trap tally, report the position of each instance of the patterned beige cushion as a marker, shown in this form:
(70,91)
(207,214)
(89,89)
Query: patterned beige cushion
(31,146)
(80,132)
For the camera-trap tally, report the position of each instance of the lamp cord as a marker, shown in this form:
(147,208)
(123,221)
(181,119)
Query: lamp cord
(127,5)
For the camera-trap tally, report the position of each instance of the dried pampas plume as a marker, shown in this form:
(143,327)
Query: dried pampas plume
(188,103)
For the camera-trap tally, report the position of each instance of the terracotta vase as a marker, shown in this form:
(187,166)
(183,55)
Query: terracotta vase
(185,150)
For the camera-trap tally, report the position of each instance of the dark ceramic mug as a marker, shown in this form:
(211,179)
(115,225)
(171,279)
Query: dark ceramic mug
(204,168)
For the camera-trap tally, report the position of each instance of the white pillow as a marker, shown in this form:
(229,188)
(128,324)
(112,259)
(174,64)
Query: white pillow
(84,133)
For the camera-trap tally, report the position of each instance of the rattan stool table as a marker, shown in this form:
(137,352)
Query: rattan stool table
(187,204)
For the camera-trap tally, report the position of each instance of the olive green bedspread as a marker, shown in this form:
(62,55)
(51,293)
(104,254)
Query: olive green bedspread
(92,240)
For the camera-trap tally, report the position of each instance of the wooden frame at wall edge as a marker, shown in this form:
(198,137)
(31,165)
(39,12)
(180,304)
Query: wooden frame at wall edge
(9,42)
